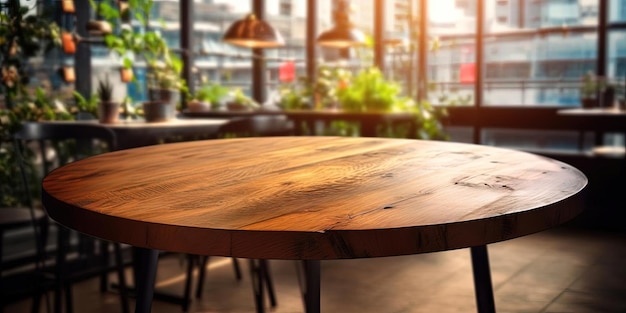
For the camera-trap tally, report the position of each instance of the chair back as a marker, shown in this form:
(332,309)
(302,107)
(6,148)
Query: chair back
(58,143)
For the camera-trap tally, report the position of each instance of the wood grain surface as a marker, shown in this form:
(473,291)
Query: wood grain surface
(313,197)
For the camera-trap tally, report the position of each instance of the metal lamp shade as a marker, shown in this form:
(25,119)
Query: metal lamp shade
(251,32)
(340,37)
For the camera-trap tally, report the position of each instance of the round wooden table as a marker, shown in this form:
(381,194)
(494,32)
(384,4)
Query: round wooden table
(312,199)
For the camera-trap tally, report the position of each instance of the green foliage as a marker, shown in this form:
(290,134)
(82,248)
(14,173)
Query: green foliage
(105,90)
(10,187)
(367,91)
(38,108)
(321,93)
(370,91)
(591,85)
(239,97)
(292,97)
(22,37)
(164,68)
(83,104)
(106,9)
(212,93)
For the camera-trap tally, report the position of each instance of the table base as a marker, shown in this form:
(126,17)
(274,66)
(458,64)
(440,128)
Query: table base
(482,282)
(146,276)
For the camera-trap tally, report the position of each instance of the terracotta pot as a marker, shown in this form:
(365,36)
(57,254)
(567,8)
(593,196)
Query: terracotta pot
(68,6)
(68,74)
(108,112)
(126,74)
(158,111)
(69,46)
(198,106)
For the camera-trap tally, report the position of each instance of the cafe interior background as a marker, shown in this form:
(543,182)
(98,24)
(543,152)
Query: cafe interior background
(491,72)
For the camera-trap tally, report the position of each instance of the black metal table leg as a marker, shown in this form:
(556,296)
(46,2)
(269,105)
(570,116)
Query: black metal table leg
(312,273)
(265,269)
(482,280)
(145,275)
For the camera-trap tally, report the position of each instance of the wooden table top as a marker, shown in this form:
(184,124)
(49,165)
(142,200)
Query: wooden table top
(313,197)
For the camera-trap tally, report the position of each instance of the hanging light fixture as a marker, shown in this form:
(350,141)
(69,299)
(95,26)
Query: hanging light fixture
(343,34)
(252,32)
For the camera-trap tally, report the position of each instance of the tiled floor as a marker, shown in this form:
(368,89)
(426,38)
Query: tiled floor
(568,269)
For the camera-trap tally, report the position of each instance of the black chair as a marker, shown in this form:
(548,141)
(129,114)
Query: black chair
(14,219)
(53,144)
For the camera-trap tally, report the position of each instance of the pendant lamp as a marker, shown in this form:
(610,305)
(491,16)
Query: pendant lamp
(343,34)
(251,32)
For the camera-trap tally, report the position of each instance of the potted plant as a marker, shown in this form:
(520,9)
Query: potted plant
(108,110)
(241,102)
(101,27)
(369,91)
(206,98)
(84,108)
(164,79)
(591,87)
(22,36)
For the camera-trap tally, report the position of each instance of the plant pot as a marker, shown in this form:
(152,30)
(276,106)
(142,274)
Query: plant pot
(158,111)
(68,6)
(68,74)
(99,28)
(126,74)
(69,46)
(236,106)
(164,95)
(198,106)
(589,103)
(108,112)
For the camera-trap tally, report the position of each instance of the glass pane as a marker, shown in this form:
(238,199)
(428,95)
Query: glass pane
(217,62)
(617,11)
(617,63)
(537,70)
(452,51)
(537,51)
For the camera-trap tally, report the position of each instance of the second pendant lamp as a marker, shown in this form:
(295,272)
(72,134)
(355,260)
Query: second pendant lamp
(343,34)
(252,32)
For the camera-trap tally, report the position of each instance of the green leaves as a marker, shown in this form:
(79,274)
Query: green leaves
(164,68)
(370,91)
(22,37)
(211,93)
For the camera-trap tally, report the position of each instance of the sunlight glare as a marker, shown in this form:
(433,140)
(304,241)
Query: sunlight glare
(442,11)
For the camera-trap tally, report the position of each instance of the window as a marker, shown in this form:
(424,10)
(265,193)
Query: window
(285,7)
(529,47)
